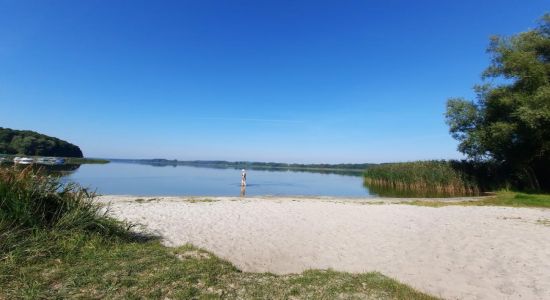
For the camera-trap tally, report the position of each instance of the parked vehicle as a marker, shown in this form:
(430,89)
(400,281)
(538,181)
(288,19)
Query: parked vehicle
(50,161)
(23,160)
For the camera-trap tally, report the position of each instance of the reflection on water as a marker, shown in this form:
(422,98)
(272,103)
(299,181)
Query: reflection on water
(140,179)
(174,164)
(243,190)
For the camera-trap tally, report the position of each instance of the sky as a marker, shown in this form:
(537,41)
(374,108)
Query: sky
(284,81)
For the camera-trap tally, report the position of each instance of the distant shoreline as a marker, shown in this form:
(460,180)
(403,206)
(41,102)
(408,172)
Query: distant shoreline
(350,169)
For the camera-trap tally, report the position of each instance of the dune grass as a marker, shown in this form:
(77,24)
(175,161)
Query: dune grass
(32,201)
(55,243)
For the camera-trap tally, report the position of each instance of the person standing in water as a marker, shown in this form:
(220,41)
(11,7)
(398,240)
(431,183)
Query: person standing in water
(243,190)
(243,177)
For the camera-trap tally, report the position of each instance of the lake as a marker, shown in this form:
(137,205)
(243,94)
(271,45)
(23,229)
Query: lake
(120,178)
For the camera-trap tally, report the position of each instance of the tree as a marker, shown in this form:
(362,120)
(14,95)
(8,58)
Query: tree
(510,120)
(32,143)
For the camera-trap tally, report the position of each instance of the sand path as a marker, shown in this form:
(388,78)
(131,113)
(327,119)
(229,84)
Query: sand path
(455,252)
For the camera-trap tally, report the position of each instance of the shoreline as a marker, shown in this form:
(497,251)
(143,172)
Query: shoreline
(465,252)
(351,199)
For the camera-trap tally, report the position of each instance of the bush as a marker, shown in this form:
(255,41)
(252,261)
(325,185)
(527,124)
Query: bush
(32,201)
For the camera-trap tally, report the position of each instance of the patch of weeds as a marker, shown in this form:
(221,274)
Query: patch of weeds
(372,202)
(141,200)
(205,200)
(429,203)
(189,252)
(509,218)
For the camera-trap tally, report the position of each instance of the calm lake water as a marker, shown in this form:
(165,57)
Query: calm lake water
(138,179)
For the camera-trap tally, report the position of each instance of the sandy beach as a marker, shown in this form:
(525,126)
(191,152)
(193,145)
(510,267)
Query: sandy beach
(454,252)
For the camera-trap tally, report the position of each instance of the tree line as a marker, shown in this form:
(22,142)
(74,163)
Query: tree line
(26,142)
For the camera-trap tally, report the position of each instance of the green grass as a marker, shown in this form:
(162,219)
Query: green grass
(507,198)
(89,266)
(55,243)
(502,198)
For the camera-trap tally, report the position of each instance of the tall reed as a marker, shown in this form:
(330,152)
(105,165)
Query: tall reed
(421,178)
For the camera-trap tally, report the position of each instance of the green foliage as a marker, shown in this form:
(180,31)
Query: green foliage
(27,142)
(510,121)
(31,201)
(431,178)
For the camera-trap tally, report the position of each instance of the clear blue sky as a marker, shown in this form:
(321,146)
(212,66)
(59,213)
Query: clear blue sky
(291,81)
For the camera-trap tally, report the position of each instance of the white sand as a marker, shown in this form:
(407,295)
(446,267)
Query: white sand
(454,252)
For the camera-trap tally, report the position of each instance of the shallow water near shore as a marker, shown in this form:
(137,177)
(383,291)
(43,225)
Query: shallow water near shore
(117,178)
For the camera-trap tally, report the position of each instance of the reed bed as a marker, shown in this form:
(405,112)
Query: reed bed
(422,179)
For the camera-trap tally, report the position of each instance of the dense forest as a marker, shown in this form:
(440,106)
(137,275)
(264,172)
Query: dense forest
(28,142)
